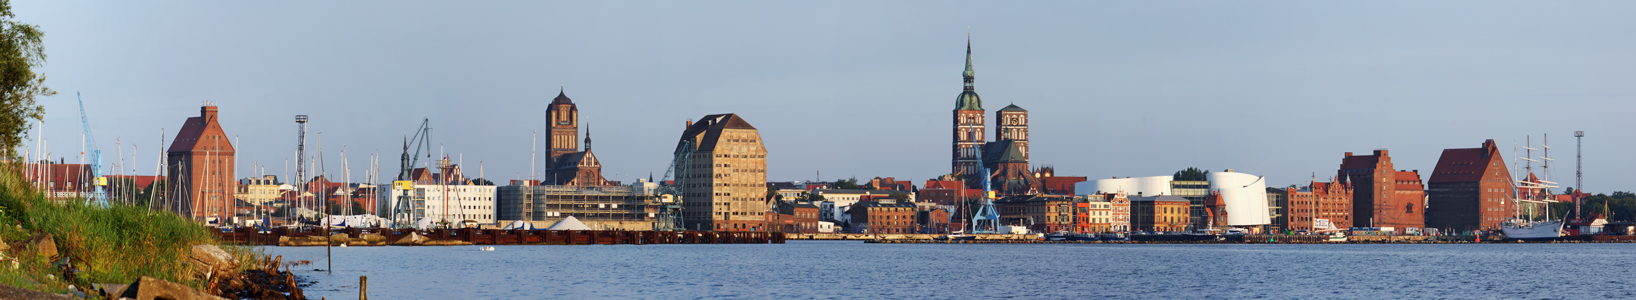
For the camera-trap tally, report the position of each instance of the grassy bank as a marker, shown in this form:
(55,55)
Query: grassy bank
(115,244)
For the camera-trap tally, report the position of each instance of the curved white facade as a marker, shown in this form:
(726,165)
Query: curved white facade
(1147,186)
(1245,196)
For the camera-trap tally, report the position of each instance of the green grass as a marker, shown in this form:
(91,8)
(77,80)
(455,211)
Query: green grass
(115,244)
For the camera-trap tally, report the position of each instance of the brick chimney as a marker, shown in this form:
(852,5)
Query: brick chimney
(207,113)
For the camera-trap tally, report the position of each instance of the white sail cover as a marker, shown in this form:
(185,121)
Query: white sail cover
(569,223)
(519,224)
(1245,196)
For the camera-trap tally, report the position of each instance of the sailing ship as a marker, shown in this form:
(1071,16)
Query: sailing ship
(1534,191)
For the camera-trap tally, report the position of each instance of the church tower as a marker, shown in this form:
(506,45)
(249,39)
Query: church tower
(1011,123)
(968,124)
(563,119)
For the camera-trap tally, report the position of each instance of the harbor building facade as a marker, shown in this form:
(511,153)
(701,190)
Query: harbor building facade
(1469,189)
(199,165)
(625,207)
(444,198)
(1376,201)
(725,185)
(1159,213)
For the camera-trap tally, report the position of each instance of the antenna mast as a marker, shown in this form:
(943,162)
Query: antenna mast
(1579,169)
(300,162)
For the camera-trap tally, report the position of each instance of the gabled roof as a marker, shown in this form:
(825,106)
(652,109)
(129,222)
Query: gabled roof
(1468,164)
(191,137)
(1003,151)
(707,131)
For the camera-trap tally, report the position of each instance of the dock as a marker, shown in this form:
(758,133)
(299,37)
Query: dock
(473,236)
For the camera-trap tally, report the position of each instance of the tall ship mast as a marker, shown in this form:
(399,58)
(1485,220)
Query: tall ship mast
(1532,199)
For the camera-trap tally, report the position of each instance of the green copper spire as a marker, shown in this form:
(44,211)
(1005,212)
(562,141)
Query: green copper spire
(968,99)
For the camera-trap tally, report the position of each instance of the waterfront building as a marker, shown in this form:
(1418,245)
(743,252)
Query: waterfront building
(1119,204)
(1159,213)
(1244,196)
(1281,202)
(802,216)
(261,190)
(838,200)
(1040,213)
(726,185)
(892,184)
(934,220)
(1375,198)
(1469,189)
(946,192)
(445,198)
(566,164)
(199,166)
(1098,214)
(1052,184)
(1198,198)
(1333,204)
(621,207)
(883,217)
(1138,186)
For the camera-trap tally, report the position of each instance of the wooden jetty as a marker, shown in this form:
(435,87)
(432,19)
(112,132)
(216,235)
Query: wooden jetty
(250,236)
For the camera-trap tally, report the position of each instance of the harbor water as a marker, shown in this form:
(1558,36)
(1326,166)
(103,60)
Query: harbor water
(854,270)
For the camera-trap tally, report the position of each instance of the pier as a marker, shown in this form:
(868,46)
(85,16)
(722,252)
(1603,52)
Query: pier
(472,236)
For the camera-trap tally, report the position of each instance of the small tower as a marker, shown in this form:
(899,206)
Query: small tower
(1012,124)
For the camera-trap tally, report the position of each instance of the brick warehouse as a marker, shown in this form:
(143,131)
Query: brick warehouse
(200,166)
(1376,200)
(1468,189)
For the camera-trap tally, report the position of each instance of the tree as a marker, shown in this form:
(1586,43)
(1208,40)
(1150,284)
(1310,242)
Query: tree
(357,208)
(1190,174)
(481,181)
(772,193)
(847,184)
(900,196)
(21,50)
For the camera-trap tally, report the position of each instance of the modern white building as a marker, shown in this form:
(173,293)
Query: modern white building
(1133,186)
(454,205)
(1245,197)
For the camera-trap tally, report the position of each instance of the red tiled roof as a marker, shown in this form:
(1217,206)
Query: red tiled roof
(1468,164)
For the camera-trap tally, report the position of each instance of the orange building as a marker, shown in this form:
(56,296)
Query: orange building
(1159,213)
(200,164)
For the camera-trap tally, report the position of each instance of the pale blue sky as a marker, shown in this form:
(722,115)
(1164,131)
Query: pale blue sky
(1277,88)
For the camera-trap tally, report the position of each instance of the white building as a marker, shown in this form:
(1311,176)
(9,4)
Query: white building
(1245,197)
(446,198)
(1133,186)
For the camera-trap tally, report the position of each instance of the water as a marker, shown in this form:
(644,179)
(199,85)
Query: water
(850,270)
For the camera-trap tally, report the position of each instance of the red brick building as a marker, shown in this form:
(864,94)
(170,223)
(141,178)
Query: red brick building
(200,164)
(1041,213)
(946,192)
(1376,201)
(796,218)
(1469,189)
(1333,203)
(881,217)
(935,220)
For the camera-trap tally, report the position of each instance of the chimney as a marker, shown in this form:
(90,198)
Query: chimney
(1381,152)
(1349,154)
(689,123)
(208,113)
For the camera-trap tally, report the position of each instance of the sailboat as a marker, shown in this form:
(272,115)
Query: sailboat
(1533,190)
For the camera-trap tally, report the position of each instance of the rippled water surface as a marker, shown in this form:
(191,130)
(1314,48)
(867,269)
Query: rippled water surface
(850,269)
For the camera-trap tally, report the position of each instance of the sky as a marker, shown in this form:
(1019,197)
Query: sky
(844,89)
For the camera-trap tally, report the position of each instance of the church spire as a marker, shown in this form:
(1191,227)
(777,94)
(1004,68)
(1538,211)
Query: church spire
(587,137)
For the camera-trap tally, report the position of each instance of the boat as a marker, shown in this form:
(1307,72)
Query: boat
(1533,190)
(1336,237)
(1059,236)
(1115,237)
(960,237)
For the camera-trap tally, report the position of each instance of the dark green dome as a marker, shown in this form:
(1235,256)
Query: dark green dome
(968,100)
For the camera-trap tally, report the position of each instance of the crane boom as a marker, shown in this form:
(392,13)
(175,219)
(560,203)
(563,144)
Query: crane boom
(95,157)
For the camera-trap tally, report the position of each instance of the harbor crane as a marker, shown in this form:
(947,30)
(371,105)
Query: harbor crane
(95,158)
(670,195)
(987,219)
(403,211)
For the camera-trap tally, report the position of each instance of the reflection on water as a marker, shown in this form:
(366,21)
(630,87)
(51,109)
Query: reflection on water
(850,269)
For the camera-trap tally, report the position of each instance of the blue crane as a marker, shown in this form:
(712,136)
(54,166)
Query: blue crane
(95,157)
(987,219)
